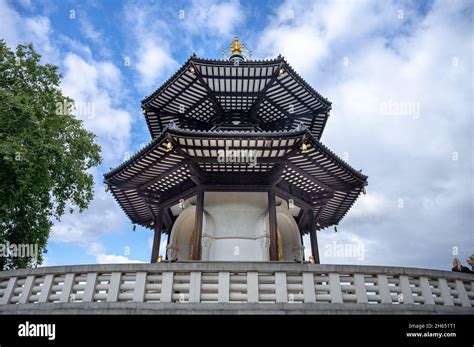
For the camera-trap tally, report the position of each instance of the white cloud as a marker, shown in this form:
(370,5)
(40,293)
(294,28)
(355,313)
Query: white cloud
(148,36)
(97,249)
(204,16)
(94,86)
(16,29)
(88,30)
(371,204)
(154,31)
(102,217)
(307,32)
(153,62)
(46,263)
(114,259)
(74,46)
(94,35)
(25,3)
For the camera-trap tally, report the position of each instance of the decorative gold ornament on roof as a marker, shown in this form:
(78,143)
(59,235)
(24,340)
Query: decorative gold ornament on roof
(237,48)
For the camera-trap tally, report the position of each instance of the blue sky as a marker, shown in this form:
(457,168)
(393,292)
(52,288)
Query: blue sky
(368,57)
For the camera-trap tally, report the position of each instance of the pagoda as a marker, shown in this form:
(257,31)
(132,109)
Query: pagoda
(235,170)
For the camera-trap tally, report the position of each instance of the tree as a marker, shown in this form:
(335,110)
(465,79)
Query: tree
(45,154)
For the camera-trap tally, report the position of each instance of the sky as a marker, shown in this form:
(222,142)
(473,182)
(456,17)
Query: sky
(399,75)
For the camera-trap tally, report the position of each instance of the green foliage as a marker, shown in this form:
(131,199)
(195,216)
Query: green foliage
(45,153)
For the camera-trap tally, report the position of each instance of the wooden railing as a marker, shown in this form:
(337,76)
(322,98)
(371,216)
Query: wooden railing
(223,282)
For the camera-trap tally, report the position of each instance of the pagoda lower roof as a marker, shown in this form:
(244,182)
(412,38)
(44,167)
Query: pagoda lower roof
(203,94)
(159,176)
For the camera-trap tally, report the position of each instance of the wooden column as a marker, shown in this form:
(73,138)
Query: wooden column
(313,237)
(302,241)
(198,225)
(272,225)
(167,243)
(155,251)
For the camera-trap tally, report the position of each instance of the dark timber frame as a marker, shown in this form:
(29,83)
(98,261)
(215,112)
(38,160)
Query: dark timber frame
(157,236)
(272,225)
(313,237)
(198,225)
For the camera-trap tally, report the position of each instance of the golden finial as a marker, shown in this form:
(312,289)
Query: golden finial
(236,46)
(236,49)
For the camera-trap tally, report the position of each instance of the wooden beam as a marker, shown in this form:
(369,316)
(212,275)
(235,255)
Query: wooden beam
(313,237)
(299,200)
(197,175)
(180,117)
(318,215)
(198,225)
(185,190)
(167,243)
(155,252)
(309,177)
(215,160)
(161,176)
(230,178)
(254,148)
(274,176)
(217,106)
(272,225)
(180,78)
(343,185)
(236,188)
(167,220)
(294,95)
(302,220)
(254,108)
(235,78)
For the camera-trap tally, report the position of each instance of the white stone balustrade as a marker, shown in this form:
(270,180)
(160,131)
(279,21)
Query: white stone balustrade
(236,283)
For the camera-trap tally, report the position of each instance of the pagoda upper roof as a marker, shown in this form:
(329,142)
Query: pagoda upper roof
(262,95)
(179,161)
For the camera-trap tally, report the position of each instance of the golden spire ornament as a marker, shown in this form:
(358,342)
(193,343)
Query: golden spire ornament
(237,48)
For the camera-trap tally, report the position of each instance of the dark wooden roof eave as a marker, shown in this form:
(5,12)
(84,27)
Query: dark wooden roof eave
(240,134)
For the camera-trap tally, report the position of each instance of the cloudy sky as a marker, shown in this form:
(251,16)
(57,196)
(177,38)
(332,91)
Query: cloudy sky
(399,75)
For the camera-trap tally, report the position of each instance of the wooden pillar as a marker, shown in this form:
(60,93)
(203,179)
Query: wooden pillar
(313,237)
(198,225)
(272,225)
(167,243)
(302,241)
(155,251)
